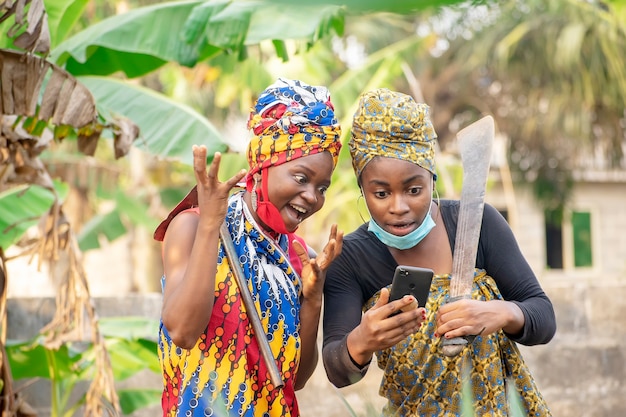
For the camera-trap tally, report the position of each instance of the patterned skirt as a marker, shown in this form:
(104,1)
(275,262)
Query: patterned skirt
(488,378)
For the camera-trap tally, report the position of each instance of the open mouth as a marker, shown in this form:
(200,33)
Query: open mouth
(400,229)
(298,212)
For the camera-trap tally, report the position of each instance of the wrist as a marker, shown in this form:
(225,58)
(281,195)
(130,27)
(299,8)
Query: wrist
(314,303)
(514,318)
(361,357)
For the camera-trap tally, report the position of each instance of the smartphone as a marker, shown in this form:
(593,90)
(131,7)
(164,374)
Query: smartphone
(411,280)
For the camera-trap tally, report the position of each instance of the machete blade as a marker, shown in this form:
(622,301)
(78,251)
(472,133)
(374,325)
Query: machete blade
(475,143)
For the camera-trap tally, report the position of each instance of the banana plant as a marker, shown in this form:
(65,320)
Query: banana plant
(143,40)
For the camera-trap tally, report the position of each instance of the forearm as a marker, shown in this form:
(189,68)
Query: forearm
(539,322)
(340,368)
(188,305)
(310,312)
(513,318)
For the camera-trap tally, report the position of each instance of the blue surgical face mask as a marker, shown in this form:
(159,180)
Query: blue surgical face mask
(406,241)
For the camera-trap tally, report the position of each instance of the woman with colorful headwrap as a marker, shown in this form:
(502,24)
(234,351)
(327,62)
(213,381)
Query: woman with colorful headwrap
(392,149)
(211,361)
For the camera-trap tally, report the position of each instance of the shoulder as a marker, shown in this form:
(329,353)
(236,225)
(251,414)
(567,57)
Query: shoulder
(449,210)
(360,248)
(360,233)
(449,205)
(493,218)
(183,225)
(361,240)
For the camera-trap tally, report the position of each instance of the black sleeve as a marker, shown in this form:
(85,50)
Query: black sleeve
(342,313)
(500,256)
(363,268)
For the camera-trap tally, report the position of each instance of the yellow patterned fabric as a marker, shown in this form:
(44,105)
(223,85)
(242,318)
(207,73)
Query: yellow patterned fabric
(420,381)
(392,124)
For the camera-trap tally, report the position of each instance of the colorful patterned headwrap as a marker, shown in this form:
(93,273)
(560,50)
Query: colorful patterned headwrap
(392,124)
(291,119)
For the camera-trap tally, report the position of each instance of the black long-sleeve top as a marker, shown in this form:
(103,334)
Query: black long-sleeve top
(366,265)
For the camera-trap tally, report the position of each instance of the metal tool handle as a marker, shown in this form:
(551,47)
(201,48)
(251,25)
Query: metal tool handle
(454,346)
(253,315)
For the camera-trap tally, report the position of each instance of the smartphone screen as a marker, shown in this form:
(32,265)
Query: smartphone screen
(411,280)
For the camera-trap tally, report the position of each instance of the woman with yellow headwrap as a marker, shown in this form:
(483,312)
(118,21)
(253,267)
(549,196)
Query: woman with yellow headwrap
(392,149)
(211,362)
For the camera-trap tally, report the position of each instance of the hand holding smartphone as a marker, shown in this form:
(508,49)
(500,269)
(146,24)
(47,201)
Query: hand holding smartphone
(411,280)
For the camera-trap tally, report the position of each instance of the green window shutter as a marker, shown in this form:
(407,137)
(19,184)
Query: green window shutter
(581,227)
(554,239)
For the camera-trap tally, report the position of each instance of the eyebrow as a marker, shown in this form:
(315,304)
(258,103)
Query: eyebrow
(309,170)
(407,181)
(300,167)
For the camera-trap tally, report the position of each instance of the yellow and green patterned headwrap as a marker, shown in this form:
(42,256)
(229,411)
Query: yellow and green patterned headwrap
(393,125)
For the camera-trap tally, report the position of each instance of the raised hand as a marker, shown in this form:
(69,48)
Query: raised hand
(314,270)
(212,193)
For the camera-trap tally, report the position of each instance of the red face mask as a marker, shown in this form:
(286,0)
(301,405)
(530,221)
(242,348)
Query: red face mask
(267,211)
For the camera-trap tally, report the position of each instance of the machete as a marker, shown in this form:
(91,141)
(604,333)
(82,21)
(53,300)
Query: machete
(474,143)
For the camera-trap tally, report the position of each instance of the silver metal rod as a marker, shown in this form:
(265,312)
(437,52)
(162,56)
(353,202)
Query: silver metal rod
(253,314)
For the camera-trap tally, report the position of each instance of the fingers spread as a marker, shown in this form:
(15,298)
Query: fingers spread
(236,178)
(215,166)
(199,160)
(300,251)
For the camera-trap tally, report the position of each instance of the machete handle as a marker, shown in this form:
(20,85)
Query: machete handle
(454,346)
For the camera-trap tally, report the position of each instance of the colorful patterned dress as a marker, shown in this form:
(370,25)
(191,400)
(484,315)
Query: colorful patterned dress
(224,374)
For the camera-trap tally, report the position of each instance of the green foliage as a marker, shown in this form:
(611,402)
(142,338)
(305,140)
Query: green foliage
(515,401)
(62,16)
(22,207)
(390,6)
(132,400)
(167,129)
(109,224)
(131,347)
(467,397)
(136,43)
(128,211)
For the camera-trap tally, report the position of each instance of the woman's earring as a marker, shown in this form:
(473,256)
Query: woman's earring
(253,197)
(358,209)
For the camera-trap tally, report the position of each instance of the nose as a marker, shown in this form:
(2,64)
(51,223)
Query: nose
(310,195)
(398,204)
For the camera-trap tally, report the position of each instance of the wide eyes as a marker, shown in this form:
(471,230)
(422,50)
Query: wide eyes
(412,191)
(415,190)
(303,180)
